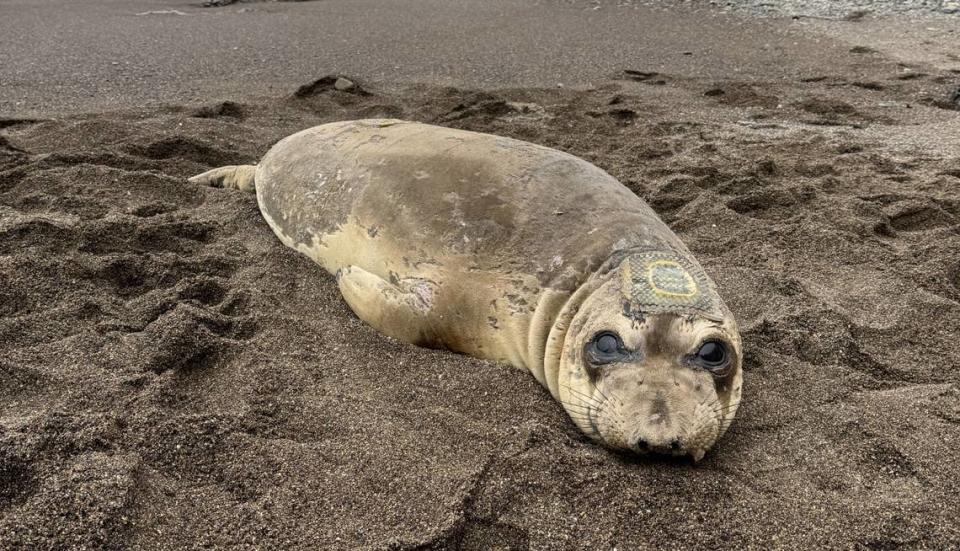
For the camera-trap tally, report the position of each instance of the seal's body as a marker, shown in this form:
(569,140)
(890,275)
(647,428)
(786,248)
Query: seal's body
(510,251)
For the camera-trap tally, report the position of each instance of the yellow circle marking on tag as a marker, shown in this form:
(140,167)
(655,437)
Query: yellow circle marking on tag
(668,278)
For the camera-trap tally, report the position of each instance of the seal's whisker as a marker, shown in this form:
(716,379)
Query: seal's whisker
(722,409)
(729,407)
(577,407)
(605,396)
(583,404)
(595,387)
(578,410)
(580,392)
(591,404)
(583,399)
(589,401)
(714,408)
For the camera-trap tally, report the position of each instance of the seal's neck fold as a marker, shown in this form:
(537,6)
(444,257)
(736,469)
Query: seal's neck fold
(547,333)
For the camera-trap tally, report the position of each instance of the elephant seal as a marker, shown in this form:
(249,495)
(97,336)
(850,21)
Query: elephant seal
(514,252)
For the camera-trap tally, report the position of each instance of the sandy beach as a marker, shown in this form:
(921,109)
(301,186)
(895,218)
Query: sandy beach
(171,376)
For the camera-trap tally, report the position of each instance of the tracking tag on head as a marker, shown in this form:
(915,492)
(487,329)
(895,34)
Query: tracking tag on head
(662,282)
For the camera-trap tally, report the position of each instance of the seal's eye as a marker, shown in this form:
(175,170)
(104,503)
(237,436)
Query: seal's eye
(606,347)
(713,356)
(607,343)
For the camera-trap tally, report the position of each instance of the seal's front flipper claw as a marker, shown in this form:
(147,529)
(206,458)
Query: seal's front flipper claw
(383,305)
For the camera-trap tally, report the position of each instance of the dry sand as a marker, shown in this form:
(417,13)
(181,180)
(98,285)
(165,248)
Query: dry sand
(172,377)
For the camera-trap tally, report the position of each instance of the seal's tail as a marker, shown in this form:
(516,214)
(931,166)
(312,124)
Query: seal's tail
(236,177)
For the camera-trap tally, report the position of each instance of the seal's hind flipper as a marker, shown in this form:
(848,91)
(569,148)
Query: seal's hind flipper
(234,177)
(385,306)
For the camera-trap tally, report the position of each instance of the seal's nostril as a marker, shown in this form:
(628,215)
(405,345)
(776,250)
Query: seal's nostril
(675,445)
(642,444)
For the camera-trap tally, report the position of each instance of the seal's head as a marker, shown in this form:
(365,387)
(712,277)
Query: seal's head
(651,362)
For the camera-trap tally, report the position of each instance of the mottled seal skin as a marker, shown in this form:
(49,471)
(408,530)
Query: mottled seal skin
(514,252)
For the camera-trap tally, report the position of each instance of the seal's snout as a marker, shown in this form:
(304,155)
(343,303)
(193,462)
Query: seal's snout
(665,421)
(659,430)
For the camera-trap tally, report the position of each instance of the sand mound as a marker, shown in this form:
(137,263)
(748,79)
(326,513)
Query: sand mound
(172,376)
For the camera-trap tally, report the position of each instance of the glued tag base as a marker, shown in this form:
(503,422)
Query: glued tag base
(662,282)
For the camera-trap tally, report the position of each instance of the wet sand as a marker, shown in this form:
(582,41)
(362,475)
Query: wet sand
(172,377)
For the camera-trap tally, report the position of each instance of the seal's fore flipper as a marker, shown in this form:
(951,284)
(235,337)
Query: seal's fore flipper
(397,312)
(234,177)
